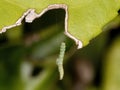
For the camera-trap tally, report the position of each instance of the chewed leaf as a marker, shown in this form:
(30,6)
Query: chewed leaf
(84,19)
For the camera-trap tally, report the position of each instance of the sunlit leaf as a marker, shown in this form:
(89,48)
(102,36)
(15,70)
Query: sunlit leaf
(85,18)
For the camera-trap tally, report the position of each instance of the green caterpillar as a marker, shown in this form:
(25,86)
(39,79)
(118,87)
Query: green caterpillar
(59,60)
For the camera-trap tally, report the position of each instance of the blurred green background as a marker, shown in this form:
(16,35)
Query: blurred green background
(28,56)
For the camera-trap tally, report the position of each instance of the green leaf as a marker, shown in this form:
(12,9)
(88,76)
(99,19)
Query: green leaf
(10,63)
(84,19)
(111,80)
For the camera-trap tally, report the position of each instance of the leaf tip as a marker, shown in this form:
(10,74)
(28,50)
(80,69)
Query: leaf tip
(78,42)
(80,45)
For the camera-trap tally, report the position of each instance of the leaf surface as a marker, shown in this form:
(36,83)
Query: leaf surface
(84,19)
